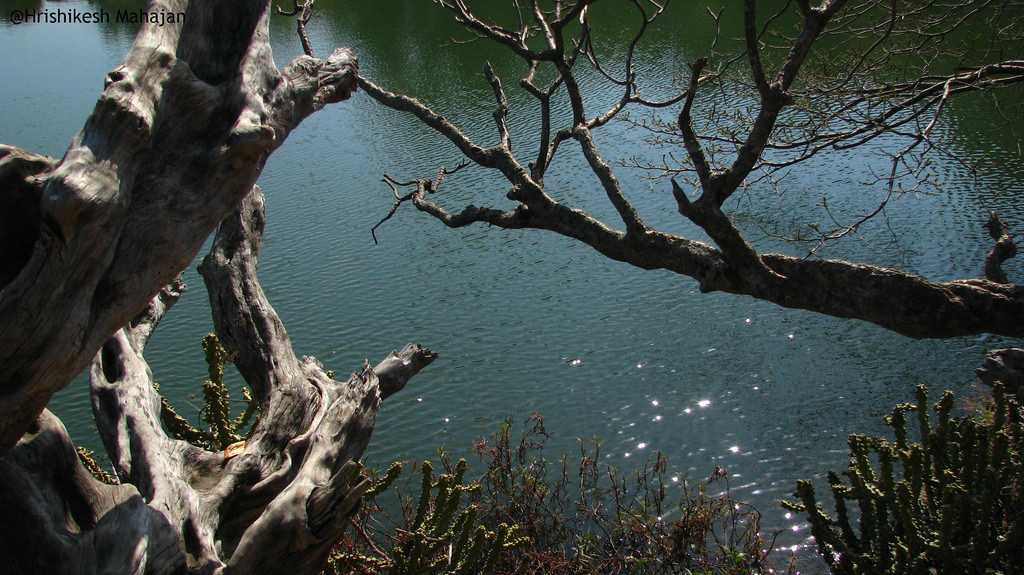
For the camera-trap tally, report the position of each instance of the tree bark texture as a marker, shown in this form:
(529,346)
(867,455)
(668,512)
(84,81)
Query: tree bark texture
(896,300)
(1006,366)
(276,505)
(178,137)
(93,244)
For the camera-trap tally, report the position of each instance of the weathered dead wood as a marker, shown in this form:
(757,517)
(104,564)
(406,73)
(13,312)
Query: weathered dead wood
(93,245)
(177,138)
(296,398)
(894,299)
(897,300)
(1005,365)
(277,505)
(20,190)
(1004,249)
(59,519)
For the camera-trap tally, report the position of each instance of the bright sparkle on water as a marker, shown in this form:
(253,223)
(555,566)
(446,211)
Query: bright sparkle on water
(704,403)
(576,362)
(734,449)
(641,445)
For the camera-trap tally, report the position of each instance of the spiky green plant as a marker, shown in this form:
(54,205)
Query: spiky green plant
(955,506)
(569,518)
(444,538)
(222,429)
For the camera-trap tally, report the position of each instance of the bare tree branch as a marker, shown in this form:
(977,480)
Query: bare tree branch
(893,299)
(1004,249)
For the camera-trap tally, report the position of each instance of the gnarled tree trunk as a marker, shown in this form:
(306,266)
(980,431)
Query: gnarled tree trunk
(92,245)
(178,137)
(276,506)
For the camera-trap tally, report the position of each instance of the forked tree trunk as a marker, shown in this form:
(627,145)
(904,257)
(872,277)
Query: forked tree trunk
(277,506)
(92,245)
(178,137)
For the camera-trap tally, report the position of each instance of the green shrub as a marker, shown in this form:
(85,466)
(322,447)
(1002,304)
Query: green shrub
(222,430)
(443,537)
(949,504)
(534,517)
(957,505)
(524,515)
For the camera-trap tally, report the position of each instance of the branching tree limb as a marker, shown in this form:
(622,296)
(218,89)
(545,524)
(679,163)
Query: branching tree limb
(276,504)
(178,137)
(1003,250)
(896,300)
(93,245)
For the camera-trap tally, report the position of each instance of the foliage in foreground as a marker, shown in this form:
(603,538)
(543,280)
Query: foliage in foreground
(442,536)
(524,515)
(532,518)
(222,430)
(956,506)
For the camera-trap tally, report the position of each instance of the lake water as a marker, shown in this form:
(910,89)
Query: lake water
(531,322)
